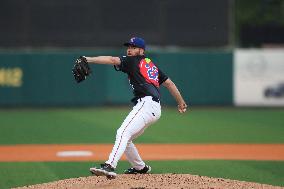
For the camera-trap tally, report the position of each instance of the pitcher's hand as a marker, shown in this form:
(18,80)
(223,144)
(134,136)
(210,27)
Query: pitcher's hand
(182,107)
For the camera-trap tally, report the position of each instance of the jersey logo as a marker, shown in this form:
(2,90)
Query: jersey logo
(149,71)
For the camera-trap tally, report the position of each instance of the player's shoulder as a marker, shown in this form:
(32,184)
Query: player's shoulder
(127,58)
(131,58)
(149,60)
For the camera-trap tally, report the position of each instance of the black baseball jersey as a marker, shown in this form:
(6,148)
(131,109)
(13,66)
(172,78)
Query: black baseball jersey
(144,76)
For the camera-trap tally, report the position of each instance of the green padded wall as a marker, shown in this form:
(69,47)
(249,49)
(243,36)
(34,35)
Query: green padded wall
(44,78)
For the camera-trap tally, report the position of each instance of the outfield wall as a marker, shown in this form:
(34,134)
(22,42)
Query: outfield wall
(44,78)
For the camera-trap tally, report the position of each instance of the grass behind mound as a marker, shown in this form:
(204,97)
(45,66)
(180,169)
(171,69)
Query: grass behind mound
(266,172)
(99,125)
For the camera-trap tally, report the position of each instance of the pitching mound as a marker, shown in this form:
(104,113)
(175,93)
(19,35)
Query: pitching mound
(150,181)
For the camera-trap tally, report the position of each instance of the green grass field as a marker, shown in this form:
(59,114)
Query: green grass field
(86,125)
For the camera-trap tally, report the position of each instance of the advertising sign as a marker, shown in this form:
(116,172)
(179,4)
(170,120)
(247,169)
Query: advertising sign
(259,77)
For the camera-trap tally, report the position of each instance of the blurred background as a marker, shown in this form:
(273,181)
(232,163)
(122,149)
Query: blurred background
(225,56)
(228,52)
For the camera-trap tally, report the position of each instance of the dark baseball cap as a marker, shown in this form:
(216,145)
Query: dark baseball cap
(136,42)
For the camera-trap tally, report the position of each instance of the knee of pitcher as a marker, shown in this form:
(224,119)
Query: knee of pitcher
(123,133)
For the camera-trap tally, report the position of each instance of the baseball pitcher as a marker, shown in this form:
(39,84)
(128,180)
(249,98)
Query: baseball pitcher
(145,78)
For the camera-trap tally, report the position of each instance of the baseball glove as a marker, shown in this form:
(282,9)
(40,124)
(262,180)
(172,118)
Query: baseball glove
(81,69)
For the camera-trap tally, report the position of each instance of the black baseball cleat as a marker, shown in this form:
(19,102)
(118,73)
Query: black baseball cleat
(145,170)
(105,170)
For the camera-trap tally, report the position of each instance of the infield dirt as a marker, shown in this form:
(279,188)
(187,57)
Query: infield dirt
(100,152)
(33,153)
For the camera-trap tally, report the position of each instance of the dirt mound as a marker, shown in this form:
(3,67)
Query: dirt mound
(168,181)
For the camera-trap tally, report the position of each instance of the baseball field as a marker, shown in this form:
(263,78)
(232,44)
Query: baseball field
(45,145)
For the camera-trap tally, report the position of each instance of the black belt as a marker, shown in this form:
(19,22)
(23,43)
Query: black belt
(155,99)
(135,99)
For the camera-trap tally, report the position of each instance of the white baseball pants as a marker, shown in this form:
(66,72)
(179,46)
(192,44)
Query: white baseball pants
(143,114)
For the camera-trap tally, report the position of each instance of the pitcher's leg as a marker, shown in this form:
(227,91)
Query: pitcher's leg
(133,123)
(118,149)
(131,151)
(133,156)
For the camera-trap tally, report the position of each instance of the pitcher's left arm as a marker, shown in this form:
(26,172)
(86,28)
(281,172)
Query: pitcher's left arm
(169,84)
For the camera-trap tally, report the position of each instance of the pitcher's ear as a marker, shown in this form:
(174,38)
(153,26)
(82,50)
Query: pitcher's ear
(141,51)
